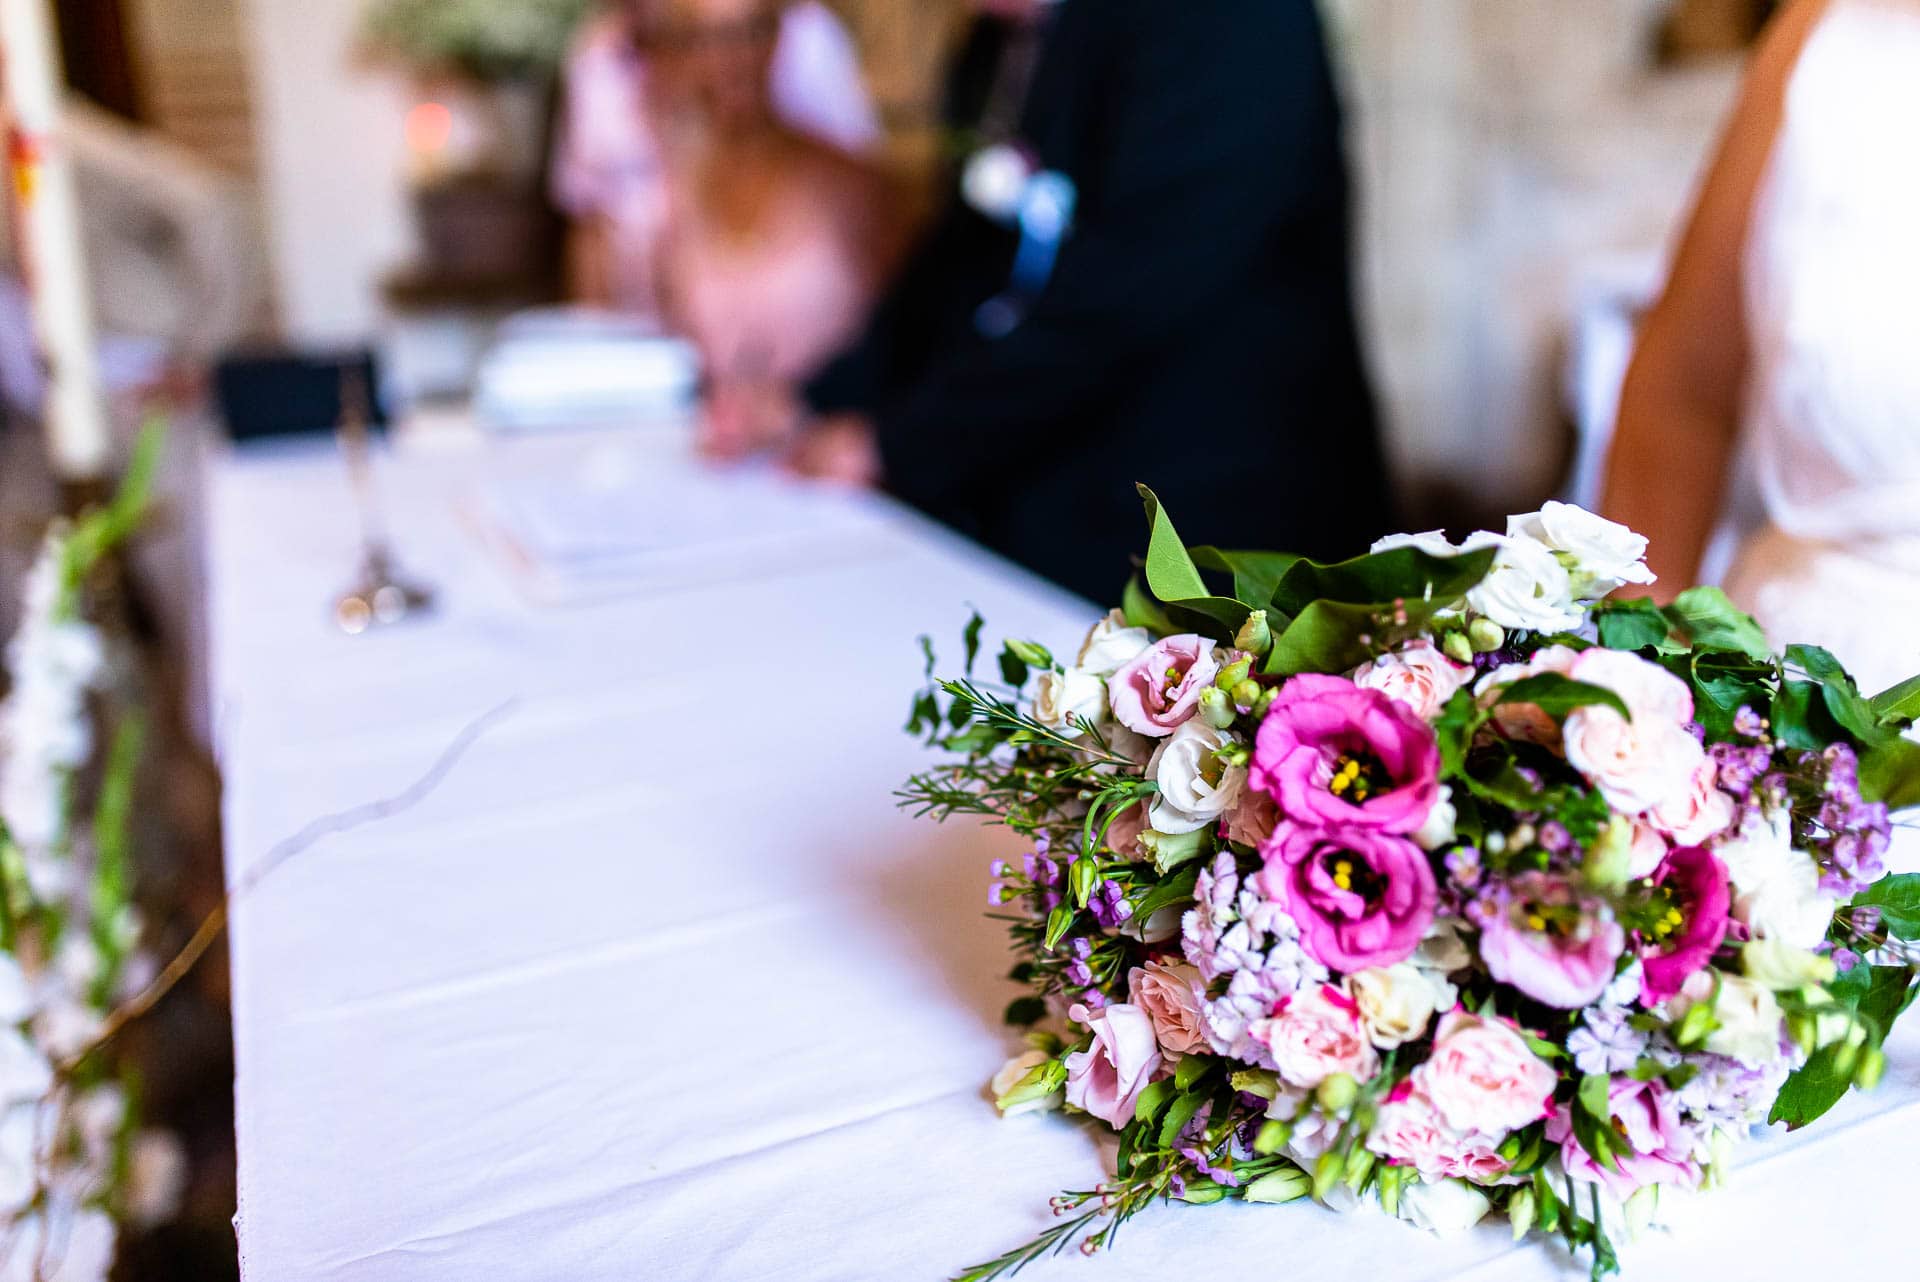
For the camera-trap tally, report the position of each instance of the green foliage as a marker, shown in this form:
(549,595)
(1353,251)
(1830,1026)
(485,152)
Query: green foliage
(1897,896)
(1557,695)
(1024,1011)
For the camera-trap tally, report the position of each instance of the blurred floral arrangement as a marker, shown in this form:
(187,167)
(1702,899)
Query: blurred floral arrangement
(1432,879)
(74,1162)
(486,39)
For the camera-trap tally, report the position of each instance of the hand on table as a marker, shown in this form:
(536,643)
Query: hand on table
(840,448)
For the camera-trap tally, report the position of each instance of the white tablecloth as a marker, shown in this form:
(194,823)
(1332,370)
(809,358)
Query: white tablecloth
(657,984)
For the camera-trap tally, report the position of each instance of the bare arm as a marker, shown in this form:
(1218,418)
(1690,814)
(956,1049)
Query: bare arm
(1680,408)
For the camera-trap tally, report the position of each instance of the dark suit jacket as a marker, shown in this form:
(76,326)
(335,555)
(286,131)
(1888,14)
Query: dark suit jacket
(1197,332)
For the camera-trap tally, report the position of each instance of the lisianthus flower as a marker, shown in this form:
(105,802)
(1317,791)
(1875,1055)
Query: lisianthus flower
(1159,688)
(1541,935)
(1685,937)
(1656,1146)
(1333,753)
(1600,555)
(1525,589)
(1361,897)
(1106,1079)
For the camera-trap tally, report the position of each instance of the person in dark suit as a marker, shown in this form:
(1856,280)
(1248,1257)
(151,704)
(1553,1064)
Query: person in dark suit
(1163,294)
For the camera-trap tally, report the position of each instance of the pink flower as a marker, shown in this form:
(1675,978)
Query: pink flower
(1252,819)
(1648,851)
(1641,762)
(1333,753)
(1314,1034)
(1655,1145)
(1410,1131)
(1159,688)
(1482,1077)
(1685,939)
(1174,996)
(1106,1079)
(1540,935)
(1418,677)
(1526,721)
(1361,897)
(1695,815)
(1123,834)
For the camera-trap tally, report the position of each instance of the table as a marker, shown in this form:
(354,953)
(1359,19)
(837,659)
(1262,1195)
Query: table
(656,984)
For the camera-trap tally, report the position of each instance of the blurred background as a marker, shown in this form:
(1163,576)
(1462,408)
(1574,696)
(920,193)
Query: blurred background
(272,191)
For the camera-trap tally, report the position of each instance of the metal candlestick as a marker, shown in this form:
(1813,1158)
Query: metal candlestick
(380,595)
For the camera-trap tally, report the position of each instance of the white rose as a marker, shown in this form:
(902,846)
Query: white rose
(1110,644)
(1776,889)
(1437,829)
(1059,697)
(1525,589)
(1642,761)
(1749,1022)
(1009,1077)
(1419,676)
(1602,554)
(1444,1206)
(1397,1002)
(1195,787)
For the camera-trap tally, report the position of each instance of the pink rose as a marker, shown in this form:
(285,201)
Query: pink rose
(1526,721)
(1684,940)
(1123,834)
(1314,1034)
(1419,677)
(1641,762)
(1483,1078)
(1539,934)
(1333,753)
(1106,1079)
(1655,1145)
(1174,996)
(1361,897)
(1159,688)
(1252,819)
(1648,851)
(1409,1131)
(1697,814)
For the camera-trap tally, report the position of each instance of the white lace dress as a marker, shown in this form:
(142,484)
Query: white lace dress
(1833,314)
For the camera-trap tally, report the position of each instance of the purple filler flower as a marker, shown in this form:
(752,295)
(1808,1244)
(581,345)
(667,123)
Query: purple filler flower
(1694,923)
(1361,897)
(1333,753)
(1539,934)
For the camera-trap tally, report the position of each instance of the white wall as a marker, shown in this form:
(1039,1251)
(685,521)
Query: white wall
(331,155)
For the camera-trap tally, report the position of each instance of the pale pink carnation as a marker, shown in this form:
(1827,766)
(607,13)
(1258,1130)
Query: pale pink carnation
(1314,1034)
(1174,996)
(1106,1079)
(1410,1131)
(1482,1076)
(1419,677)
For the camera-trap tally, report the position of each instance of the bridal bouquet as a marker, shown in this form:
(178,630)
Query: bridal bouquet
(1432,879)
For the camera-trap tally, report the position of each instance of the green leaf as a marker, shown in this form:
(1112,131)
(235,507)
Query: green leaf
(1558,695)
(1897,706)
(1890,772)
(1593,1119)
(969,637)
(1022,1011)
(1399,574)
(1713,622)
(1173,890)
(1897,896)
(1722,684)
(1256,575)
(1632,625)
(1179,1115)
(1812,1089)
(1013,669)
(1175,579)
(1141,611)
(1853,713)
(1192,1068)
(1800,716)
(1886,995)
(1152,1100)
